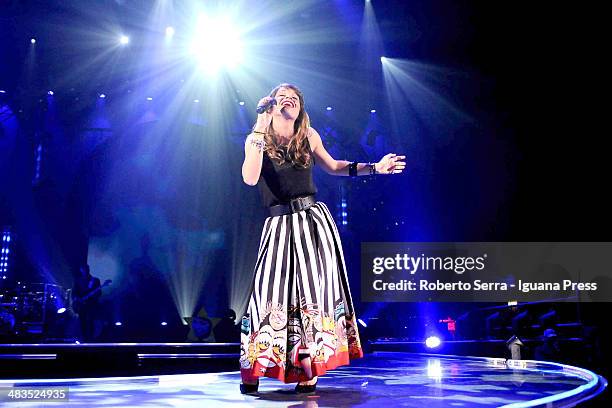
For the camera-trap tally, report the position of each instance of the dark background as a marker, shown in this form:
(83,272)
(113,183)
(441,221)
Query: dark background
(523,160)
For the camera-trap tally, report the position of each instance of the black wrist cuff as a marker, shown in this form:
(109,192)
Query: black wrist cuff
(353,169)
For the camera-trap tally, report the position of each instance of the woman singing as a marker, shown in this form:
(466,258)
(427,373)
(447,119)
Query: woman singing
(300,320)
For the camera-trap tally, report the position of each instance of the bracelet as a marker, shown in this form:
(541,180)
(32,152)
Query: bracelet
(372,167)
(261,133)
(260,144)
(352,169)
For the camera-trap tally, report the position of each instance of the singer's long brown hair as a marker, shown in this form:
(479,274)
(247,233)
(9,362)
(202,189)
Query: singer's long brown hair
(297,149)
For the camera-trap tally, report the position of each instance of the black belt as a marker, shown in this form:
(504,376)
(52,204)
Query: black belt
(295,205)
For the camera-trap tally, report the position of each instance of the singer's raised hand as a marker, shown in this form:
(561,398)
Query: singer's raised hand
(264,118)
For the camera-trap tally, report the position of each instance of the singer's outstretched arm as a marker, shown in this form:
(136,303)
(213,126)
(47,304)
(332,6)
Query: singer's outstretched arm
(387,165)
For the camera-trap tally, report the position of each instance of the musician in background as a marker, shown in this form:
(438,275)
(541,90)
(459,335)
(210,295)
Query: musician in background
(85,295)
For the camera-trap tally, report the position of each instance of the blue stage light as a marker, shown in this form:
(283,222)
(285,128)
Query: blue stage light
(373,111)
(61,310)
(329,108)
(432,342)
(102,96)
(169,32)
(5,251)
(164,323)
(362,323)
(32,40)
(51,93)
(124,39)
(149,99)
(241,103)
(344,212)
(118,323)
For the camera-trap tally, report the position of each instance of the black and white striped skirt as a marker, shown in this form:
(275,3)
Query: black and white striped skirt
(300,302)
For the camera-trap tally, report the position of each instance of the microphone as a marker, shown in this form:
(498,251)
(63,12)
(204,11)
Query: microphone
(266,106)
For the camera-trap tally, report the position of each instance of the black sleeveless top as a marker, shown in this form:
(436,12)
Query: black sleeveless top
(279,184)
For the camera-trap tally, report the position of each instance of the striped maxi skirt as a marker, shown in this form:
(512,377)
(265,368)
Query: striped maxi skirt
(300,301)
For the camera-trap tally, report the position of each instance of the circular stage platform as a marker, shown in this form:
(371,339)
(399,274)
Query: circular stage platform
(381,379)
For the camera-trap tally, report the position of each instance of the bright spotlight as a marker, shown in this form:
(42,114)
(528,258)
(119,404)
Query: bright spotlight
(329,108)
(61,310)
(373,111)
(124,39)
(50,93)
(432,342)
(169,31)
(32,40)
(149,99)
(164,323)
(216,44)
(241,103)
(102,96)
(2,91)
(383,59)
(118,324)
(362,323)
(196,101)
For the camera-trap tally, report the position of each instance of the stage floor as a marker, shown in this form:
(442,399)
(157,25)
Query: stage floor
(380,379)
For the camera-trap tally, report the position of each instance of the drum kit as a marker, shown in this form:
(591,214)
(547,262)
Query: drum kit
(27,308)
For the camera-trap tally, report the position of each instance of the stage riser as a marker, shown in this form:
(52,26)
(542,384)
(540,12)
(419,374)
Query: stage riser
(112,364)
(574,351)
(71,360)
